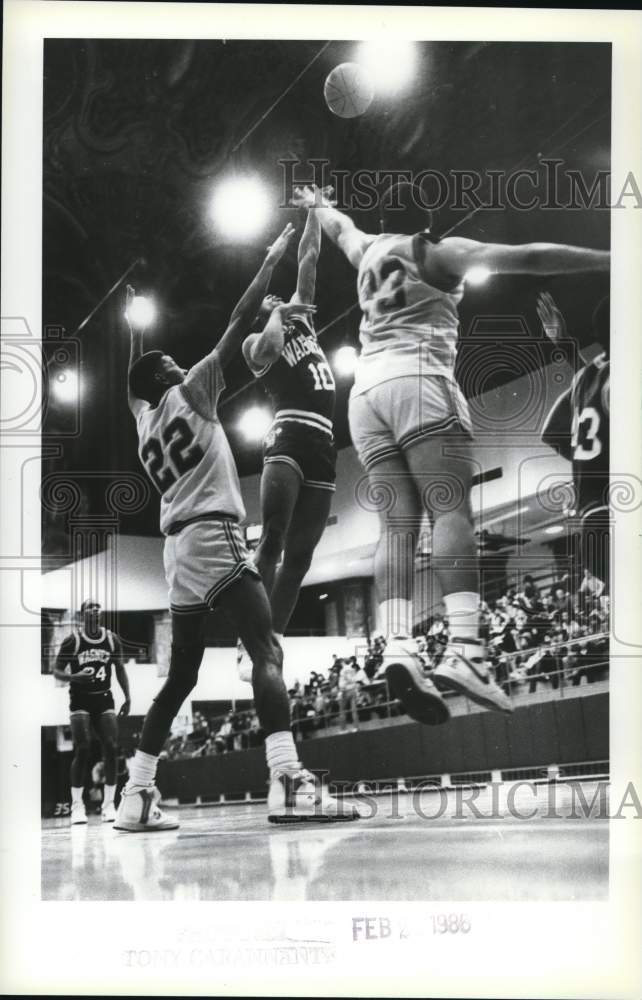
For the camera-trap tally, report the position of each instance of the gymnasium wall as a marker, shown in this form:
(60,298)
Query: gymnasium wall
(218,678)
(566,731)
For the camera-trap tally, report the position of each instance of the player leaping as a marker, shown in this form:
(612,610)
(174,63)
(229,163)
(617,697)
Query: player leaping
(410,423)
(184,450)
(299,454)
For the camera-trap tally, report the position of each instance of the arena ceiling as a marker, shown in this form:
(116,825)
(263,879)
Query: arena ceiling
(137,133)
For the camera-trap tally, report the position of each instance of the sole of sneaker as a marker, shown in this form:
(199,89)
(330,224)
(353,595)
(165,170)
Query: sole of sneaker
(420,705)
(143,828)
(446,682)
(79,822)
(283,820)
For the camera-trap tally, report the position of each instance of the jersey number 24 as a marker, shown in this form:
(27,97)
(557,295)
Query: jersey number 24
(167,461)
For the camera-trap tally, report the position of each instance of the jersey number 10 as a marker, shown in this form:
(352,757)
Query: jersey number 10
(164,469)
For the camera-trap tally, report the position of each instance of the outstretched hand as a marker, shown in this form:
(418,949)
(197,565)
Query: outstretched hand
(550,317)
(280,245)
(130,294)
(312,197)
(288,309)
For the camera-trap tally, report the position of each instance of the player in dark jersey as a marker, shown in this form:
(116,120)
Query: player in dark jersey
(85,662)
(578,427)
(299,453)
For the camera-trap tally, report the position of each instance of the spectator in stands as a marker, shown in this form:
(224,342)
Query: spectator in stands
(320,706)
(225,734)
(348,687)
(590,588)
(374,658)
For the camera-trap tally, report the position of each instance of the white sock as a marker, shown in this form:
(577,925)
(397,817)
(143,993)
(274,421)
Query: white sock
(396,617)
(142,769)
(108,795)
(280,752)
(462,611)
(76,796)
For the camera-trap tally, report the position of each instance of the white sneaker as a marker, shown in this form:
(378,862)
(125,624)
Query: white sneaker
(463,668)
(408,682)
(298,797)
(243,663)
(108,813)
(78,813)
(138,811)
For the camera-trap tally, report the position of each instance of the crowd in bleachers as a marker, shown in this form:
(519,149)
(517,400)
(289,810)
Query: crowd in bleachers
(533,639)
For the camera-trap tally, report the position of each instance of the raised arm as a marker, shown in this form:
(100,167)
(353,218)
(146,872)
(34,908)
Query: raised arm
(249,303)
(557,429)
(456,255)
(135,351)
(309,249)
(339,227)
(261,350)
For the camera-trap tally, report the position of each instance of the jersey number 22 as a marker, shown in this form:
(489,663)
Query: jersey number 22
(165,468)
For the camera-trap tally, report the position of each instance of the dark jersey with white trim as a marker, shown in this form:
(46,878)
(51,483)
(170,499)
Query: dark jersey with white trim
(578,427)
(590,435)
(301,379)
(78,650)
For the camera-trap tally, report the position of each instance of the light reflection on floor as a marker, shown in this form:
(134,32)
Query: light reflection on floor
(231,852)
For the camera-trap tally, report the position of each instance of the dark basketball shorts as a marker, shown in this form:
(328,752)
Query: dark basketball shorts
(81,702)
(311,452)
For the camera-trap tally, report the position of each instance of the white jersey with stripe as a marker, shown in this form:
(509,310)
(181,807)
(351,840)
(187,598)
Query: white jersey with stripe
(185,452)
(408,326)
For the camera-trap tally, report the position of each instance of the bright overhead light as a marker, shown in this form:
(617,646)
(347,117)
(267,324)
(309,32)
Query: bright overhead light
(477,276)
(66,386)
(255,423)
(323,597)
(141,312)
(345,360)
(241,207)
(554,529)
(391,63)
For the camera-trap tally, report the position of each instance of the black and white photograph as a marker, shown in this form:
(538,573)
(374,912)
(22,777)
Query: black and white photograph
(321,555)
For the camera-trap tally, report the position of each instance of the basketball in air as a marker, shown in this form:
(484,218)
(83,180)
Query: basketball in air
(348,90)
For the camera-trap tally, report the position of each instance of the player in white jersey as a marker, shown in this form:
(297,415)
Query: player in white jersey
(411,427)
(186,454)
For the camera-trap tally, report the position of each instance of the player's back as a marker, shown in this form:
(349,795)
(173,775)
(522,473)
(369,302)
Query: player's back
(185,451)
(408,324)
(590,434)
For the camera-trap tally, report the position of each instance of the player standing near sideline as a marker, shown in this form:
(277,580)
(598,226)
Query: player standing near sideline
(578,427)
(299,454)
(410,423)
(85,661)
(185,452)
